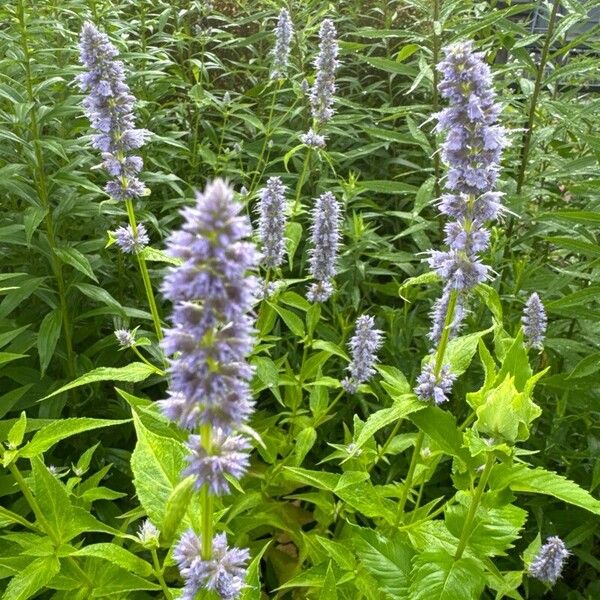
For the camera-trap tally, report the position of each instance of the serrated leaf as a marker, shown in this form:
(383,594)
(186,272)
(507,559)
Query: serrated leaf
(521,478)
(78,261)
(47,337)
(118,556)
(32,578)
(437,576)
(60,429)
(328,591)
(132,373)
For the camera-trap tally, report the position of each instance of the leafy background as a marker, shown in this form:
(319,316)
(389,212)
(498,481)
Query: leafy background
(64,290)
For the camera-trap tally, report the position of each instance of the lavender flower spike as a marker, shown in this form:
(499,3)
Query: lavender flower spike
(272,220)
(549,561)
(130,243)
(363,346)
(326,63)
(228,454)
(223,573)
(281,51)
(430,387)
(213,292)
(109,107)
(325,241)
(534,322)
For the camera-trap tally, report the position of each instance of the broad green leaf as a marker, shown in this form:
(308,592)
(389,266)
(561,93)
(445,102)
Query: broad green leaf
(402,407)
(157,463)
(437,576)
(385,186)
(17,431)
(60,429)
(388,560)
(132,373)
(440,425)
(291,319)
(521,478)
(328,591)
(32,579)
(78,261)
(176,508)
(118,556)
(305,440)
(48,336)
(251,590)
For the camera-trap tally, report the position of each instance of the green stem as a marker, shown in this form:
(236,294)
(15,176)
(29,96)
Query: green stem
(158,573)
(527,134)
(35,507)
(268,132)
(301,181)
(43,193)
(466,531)
(206,500)
(409,477)
(144,272)
(146,361)
(441,351)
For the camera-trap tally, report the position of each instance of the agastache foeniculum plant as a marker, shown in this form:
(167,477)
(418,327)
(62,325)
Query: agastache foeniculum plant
(213,291)
(268,443)
(284,32)
(109,107)
(471,152)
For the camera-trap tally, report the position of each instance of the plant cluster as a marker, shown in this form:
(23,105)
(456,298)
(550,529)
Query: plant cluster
(299,300)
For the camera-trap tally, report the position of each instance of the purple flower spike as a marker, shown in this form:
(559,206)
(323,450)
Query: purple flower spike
(325,239)
(224,572)
(363,345)
(283,38)
(228,454)
(326,63)
(549,561)
(432,388)
(130,243)
(272,220)
(534,322)
(109,107)
(213,291)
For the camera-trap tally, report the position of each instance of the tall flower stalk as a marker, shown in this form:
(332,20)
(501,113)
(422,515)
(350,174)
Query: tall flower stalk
(109,106)
(321,97)
(471,153)
(212,291)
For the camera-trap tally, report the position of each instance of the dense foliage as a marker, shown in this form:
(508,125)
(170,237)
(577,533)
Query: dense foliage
(135,308)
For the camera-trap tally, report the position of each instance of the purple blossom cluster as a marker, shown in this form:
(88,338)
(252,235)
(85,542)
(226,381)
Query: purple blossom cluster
(549,561)
(312,139)
(213,294)
(471,152)
(363,345)
(534,322)
(325,237)
(272,219)
(130,242)
(326,63)
(109,107)
(213,291)
(222,573)
(283,38)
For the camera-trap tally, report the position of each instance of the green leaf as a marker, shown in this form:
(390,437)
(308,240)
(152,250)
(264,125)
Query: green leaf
(522,478)
(460,351)
(118,556)
(516,363)
(48,336)
(305,440)
(32,579)
(440,425)
(385,186)
(176,508)
(60,429)
(293,234)
(328,591)
(156,463)
(390,66)
(251,590)
(292,320)
(403,406)
(388,560)
(17,431)
(132,373)
(437,576)
(78,261)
